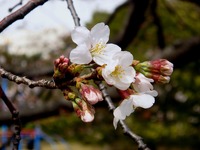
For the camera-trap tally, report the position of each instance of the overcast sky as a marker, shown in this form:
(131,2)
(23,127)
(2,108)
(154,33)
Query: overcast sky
(55,14)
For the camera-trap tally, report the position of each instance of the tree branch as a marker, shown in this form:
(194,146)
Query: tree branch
(125,128)
(157,22)
(182,52)
(15,118)
(135,21)
(18,4)
(20,13)
(26,81)
(73,12)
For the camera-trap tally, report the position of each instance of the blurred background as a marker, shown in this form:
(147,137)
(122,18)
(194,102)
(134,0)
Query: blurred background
(149,29)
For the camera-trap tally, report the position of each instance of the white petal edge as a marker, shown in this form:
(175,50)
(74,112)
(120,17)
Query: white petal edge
(143,100)
(100,33)
(80,55)
(80,35)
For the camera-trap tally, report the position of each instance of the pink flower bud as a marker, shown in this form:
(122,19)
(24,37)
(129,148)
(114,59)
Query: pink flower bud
(163,66)
(86,116)
(83,110)
(91,94)
(160,66)
(158,78)
(61,63)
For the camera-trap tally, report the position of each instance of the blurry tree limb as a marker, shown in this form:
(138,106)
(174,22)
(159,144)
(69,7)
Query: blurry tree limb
(20,13)
(15,119)
(181,53)
(197,2)
(27,114)
(26,81)
(136,19)
(112,16)
(157,22)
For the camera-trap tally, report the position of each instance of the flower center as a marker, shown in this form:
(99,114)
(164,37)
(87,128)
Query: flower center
(97,49)
(118,72)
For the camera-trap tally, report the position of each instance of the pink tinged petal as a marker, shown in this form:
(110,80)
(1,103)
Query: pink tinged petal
(100,33)
(87,116)
(91,97)
(80,35)
(143,100)
(80,55)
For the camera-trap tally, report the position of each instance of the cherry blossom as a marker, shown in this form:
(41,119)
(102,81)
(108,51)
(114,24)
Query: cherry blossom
(119,72)
(128,106)
(91,45)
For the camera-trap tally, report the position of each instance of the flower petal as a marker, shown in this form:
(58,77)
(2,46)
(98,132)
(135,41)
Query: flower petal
(128,76)
(143,100)
(125,58)
(80,35)
(80,55)
(100,33)
(105,57)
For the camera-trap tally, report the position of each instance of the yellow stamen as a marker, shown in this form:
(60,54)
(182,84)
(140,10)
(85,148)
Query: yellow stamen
(97,49)
(118,72)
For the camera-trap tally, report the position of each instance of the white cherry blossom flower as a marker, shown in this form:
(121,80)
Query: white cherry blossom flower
(143,84)
(128,106)
(91,45)
(119,72)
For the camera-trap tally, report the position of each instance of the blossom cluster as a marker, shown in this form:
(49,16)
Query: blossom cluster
(96,59)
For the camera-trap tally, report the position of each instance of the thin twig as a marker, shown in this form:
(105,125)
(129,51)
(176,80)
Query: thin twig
(127,131)
(15,118)
(20,13)
(23,80)
(73,12)
(18,4)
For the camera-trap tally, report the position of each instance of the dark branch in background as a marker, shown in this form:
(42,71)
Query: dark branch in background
(157,22)
(18,4)
(197,2)
(48,109)
(26,81)
(15,118)
(181,53)
(20,13)
(120,7)
(173,12)
(135,21)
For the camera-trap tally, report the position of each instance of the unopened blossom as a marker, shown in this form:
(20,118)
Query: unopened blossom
(128,106)
(120,73)
(61,63)
(159,66)
(83,110)
(92,45)
(91,94)
(158,70)
(143,84)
